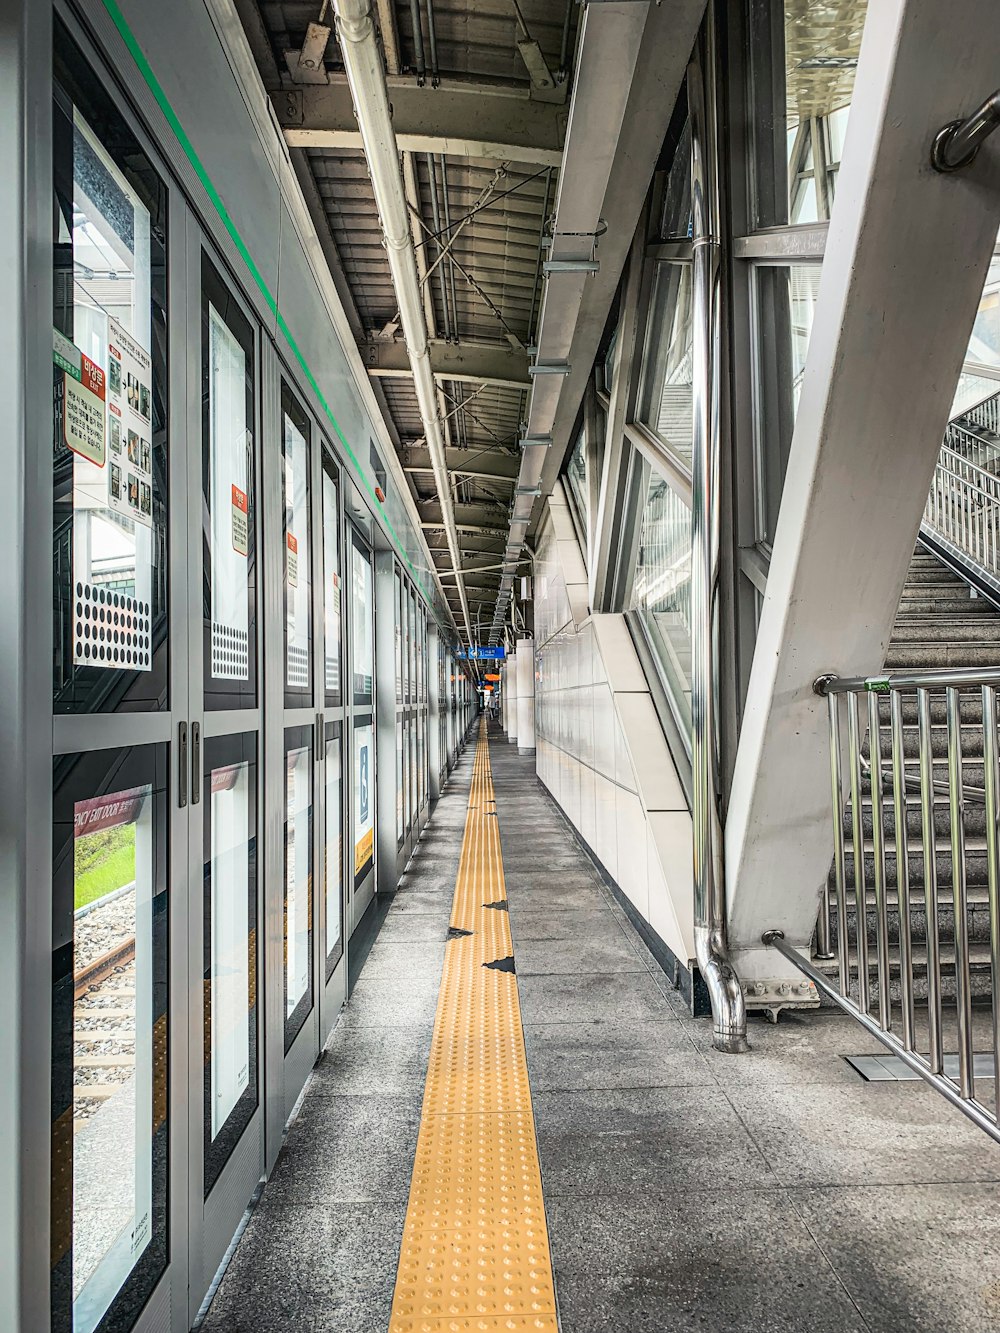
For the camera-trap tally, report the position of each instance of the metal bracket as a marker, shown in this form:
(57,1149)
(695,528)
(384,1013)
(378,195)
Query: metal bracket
(957,144)
(770,995)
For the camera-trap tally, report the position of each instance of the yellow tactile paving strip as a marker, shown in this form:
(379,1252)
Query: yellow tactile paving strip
(475,1252)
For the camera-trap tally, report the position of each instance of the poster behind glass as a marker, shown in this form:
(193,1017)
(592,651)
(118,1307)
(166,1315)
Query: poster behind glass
(362,625)
(228,499)
(298,596)
(331,590)
(109,475)
(364,800)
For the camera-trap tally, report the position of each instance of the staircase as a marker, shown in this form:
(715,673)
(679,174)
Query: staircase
(940,624)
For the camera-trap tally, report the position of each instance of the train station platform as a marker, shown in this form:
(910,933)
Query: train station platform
(682,1188)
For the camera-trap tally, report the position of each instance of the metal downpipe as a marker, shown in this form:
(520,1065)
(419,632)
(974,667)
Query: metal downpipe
(726,993)
(363,63)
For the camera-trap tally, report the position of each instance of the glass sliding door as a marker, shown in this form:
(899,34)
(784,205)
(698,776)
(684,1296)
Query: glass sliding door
(333,846)
(109,1090)
(295,446)
(229,510)
(363,750)
(230,945)
(298,882)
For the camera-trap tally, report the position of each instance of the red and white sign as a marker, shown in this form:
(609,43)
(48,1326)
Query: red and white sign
(241,521)
(104,812)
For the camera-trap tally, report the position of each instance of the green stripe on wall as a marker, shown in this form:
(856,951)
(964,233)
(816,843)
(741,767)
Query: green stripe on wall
(173,120)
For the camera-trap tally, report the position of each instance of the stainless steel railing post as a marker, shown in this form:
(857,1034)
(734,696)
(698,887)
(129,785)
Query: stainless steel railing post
(901,812)
(960,894)
(991,785)
(840,876)
(878,849)
(858,843)
(929,833)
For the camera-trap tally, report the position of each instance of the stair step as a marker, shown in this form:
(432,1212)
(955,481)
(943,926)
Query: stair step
(928,656)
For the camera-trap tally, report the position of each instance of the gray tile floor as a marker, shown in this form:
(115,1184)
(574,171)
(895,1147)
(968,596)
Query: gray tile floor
(774,1192)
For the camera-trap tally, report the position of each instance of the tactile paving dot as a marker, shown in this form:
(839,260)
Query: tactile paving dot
(475,1251)
(476,1324)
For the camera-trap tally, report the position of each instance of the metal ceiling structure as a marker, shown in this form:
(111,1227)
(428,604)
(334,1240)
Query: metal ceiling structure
(478,96)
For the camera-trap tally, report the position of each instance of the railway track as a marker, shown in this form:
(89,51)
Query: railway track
(103,967)
(103,1029)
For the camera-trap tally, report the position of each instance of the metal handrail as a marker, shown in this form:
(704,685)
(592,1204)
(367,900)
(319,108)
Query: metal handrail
(864,986)
(828,684)
(977,1113)
(957,143)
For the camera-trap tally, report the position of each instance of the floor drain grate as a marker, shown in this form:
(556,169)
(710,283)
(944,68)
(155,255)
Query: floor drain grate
(891,1069)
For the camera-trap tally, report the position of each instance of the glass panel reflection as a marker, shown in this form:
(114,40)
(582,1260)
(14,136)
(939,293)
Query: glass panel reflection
(804,56)
(362,611)
(331,589)
(230,943)
(298,906)
(665,390)
(786,306)
(298,600)
(229,499)
(109,462)
(333,853)
(662,590)
(109,1132)
(364,799)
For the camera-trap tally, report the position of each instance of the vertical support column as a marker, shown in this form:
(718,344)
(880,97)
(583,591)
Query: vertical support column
(526,696)
(434,764)
(387,852)
(25,661)
(512,699)
(711,946)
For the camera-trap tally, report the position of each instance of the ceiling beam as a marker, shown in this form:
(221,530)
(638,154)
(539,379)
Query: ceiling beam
(461,119)
(483,464)
(470,363)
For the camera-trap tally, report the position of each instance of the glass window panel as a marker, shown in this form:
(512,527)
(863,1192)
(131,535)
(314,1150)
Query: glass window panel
(331,589)
(109,1077)
(675,219)
(662,590)
(984,345)
(109,383)
(298,905)
(400,824)
(398,613)
(364,799)
(408,774)
(362,625)
(665,389)
(229,514)
(576,475)
(298,600)
(230,944)
(333,851)
(786,303)
(411,646)
(803,60)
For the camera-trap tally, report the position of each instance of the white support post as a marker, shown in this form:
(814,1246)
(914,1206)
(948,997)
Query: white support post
(526,696)
(906,258)
(511,683)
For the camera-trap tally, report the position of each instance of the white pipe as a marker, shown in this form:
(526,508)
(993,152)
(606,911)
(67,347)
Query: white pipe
(363,62)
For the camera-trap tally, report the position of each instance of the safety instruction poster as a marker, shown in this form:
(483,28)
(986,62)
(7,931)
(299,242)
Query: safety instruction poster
(84,398)
(130,427)
(364,812)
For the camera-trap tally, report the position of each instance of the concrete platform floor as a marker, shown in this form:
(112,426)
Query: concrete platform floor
(775,1192)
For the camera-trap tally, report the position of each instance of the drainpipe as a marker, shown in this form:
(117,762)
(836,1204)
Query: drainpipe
(363,62)
(711,947)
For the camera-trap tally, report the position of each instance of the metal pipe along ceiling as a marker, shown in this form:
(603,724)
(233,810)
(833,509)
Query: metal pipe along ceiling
(363,62)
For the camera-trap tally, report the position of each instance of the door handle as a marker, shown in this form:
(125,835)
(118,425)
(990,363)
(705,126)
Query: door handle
(182,764)
(195,762)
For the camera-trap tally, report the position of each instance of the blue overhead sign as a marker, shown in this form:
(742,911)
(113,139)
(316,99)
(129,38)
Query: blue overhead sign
(478,653)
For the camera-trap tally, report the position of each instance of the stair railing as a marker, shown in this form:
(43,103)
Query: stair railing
(877,988)
(962,513)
